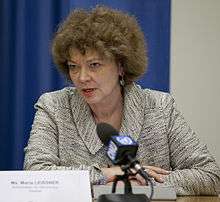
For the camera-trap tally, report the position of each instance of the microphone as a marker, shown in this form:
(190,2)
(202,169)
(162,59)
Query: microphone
(122,149)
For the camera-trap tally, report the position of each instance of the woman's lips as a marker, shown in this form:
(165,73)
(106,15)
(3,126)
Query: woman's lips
(88,92)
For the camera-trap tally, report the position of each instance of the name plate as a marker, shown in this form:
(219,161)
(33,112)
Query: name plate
(45,186)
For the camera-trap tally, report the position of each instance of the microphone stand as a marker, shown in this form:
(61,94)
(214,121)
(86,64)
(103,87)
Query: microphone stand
(128,195)
(127,184)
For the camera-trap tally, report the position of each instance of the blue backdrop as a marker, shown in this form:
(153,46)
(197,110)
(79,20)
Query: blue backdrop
(27,71)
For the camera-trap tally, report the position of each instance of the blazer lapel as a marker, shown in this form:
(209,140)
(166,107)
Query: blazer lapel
(85,123)
(133,116)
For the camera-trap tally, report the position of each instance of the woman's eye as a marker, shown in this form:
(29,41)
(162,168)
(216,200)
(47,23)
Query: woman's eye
(71,66)
(95,65)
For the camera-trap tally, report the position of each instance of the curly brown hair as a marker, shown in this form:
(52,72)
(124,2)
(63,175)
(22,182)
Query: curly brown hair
(110,32)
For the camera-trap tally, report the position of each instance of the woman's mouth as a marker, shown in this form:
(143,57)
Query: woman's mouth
(88,92)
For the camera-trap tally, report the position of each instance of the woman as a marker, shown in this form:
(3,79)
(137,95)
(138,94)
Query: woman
(103,52)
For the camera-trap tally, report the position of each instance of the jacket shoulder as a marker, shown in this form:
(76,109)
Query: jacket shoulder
(56,99)
(157,99)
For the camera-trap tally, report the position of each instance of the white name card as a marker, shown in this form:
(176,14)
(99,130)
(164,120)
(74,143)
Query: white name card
(45,186)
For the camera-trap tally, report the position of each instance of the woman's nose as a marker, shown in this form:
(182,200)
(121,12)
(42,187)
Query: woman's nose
(84,75)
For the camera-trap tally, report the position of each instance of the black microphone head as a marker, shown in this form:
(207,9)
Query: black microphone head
(105,131)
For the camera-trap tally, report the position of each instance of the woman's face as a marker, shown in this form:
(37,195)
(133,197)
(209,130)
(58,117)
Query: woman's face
(96,78)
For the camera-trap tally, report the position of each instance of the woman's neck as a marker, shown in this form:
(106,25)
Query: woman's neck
(110,112)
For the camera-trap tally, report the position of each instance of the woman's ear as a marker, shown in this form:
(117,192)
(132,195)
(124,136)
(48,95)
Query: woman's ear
(120,70)
(121,74)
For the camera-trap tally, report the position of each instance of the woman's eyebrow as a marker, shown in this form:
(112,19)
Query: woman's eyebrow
(71,61)
(92,59)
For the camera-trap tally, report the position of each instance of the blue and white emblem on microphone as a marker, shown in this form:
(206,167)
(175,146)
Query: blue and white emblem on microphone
(112,150)
(124,140)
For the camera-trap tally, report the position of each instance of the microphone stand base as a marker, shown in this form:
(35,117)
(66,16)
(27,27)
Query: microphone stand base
(123,198)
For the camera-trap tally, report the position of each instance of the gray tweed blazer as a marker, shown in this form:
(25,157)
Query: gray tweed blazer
(63,136)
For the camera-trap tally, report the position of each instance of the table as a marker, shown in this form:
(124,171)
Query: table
(193,199)
(196,199)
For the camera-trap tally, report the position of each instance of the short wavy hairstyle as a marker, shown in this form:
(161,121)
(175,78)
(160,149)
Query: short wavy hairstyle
(110,32)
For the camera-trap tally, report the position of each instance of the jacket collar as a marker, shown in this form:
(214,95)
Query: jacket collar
(133,117)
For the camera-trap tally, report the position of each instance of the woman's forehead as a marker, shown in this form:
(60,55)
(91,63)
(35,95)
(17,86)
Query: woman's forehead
(76,54)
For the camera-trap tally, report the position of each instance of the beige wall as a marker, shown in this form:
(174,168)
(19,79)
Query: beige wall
(195,67)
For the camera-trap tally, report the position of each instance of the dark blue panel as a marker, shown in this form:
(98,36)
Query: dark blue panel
(26,71)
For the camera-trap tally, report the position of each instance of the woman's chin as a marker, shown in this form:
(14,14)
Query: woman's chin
(91,100)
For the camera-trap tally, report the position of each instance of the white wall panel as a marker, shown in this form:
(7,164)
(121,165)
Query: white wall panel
(195,66)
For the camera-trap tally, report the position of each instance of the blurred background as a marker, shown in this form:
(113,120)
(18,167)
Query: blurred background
(183,39)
